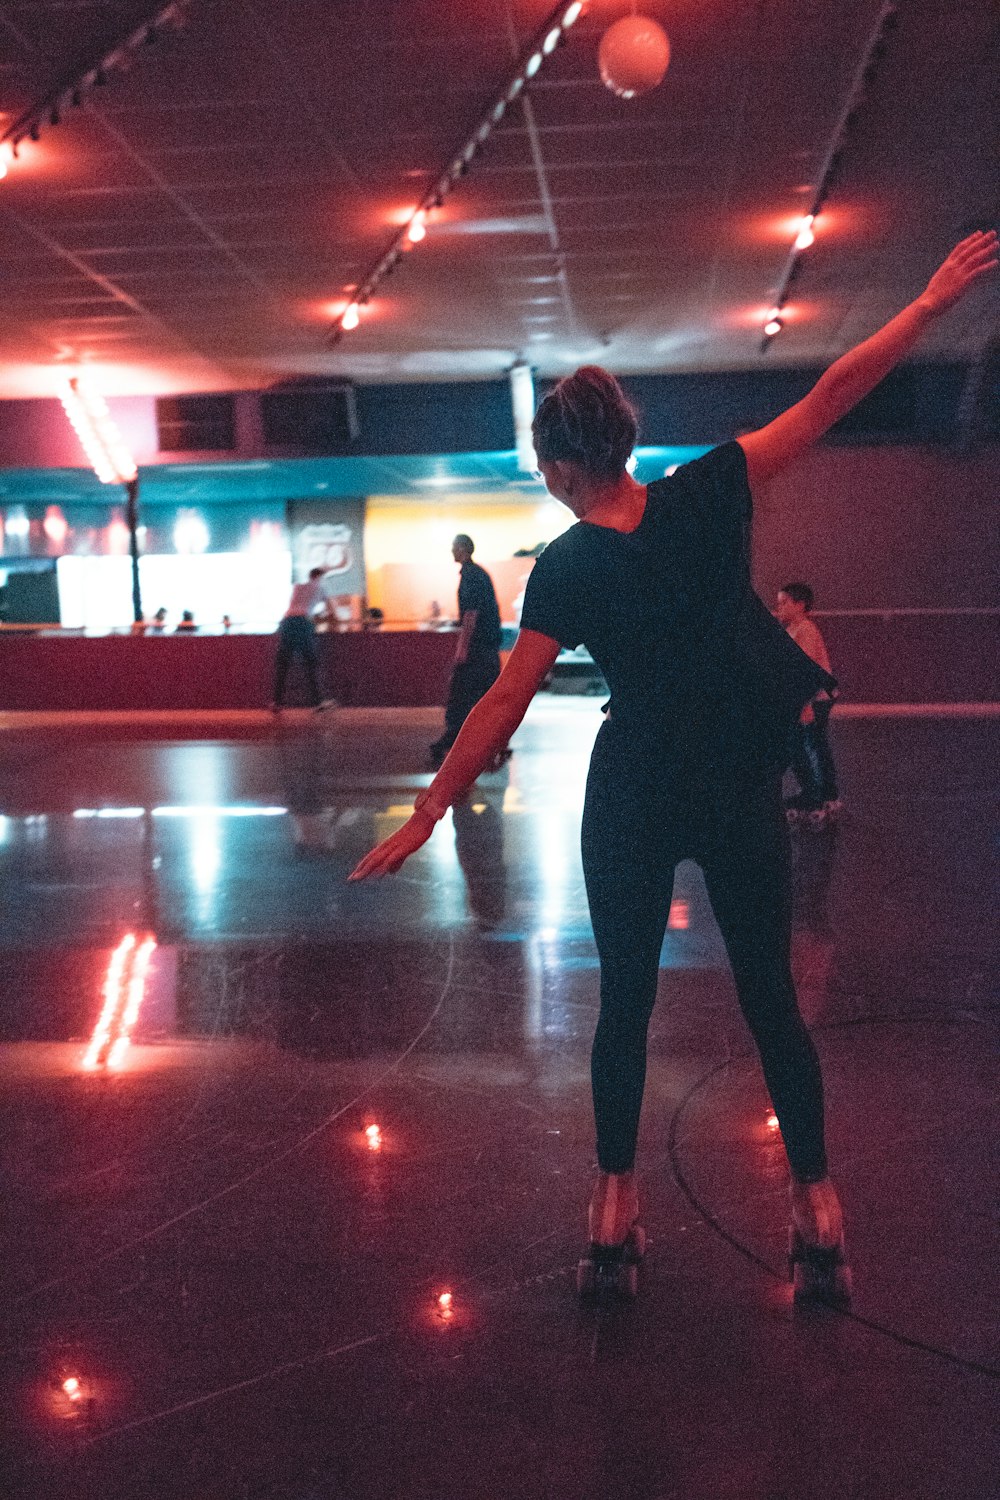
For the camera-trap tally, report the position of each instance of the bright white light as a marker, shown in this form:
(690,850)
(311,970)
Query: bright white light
(773,326)
(522,394)
(573,14)
(18,525)
(219,812)
(417,230)
(515,89)
(206,854)
(191,534)
(534,63)
(251,586)
(552,40)
(805,236)
(351,318)
(631,464)
(108,812)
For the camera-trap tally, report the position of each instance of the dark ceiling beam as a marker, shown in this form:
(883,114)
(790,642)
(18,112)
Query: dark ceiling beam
(875,48)
(72,91)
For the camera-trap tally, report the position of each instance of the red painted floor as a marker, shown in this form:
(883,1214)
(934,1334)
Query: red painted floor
(199,1232)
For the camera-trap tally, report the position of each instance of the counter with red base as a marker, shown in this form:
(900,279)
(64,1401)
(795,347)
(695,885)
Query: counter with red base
(384,668)
(895,657)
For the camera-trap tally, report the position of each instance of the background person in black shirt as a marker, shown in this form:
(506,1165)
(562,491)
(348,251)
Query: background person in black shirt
(477,654)
(705,687)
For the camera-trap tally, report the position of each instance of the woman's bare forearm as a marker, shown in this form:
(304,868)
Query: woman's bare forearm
(485,732)
(855,374)
(850,378)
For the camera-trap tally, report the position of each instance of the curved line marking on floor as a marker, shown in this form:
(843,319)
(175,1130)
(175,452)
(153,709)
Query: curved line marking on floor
(991,1371)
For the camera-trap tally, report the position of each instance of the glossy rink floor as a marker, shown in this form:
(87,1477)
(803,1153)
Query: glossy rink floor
(256,1123)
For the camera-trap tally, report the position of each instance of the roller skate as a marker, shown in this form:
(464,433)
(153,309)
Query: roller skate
(610,1268)
(817,1263)
(796,810)
(802,812)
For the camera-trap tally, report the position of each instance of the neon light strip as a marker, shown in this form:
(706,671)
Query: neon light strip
(99,437)
(112,1000)
(136,995)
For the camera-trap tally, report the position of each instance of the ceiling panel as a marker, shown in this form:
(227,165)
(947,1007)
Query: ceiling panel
(207,211)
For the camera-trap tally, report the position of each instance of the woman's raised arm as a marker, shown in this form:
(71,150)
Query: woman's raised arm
(487,729)
(859,371)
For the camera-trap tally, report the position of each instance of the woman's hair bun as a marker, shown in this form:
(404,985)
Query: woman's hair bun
(587,419)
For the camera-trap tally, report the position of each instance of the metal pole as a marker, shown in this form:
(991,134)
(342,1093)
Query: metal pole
(132,516)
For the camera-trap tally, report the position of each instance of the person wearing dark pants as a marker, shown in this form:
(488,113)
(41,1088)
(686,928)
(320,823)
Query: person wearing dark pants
(297,637)
(477,654)
(706,687)
(812,765)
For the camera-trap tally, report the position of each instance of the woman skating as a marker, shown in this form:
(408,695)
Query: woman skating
(705,687)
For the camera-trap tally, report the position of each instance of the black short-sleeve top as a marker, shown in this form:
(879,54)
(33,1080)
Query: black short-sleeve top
(699,670)
(476,591)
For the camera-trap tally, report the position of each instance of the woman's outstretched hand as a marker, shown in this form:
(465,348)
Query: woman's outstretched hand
(389,856)
(972,258)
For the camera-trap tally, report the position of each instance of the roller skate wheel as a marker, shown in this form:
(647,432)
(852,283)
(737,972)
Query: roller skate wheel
(612,1271)
(818,1275)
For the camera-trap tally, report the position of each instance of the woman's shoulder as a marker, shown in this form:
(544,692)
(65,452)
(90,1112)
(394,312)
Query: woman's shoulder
(564,546)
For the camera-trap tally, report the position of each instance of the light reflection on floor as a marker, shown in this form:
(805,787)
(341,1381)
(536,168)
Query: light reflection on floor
(256,1124)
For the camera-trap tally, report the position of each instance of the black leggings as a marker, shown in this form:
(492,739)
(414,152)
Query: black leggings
(634,833)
